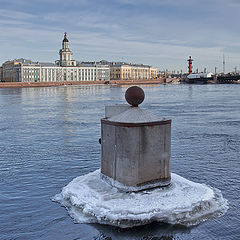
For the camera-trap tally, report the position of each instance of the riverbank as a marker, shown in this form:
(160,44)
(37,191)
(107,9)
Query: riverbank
(67,83)
(45,84)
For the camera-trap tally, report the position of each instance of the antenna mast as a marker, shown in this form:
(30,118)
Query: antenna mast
(224,63)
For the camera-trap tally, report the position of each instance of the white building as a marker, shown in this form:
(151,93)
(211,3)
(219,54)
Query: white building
(65,69)
(199,75)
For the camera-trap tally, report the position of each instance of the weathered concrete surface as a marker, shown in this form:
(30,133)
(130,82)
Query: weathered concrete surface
(137,154)
(111,111)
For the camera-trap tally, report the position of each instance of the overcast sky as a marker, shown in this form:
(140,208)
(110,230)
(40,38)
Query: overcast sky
(162,33)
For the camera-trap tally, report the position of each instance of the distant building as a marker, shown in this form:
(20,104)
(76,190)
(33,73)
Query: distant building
(1,74)
(129,71)
(65,69)
(9,70)
(66,54)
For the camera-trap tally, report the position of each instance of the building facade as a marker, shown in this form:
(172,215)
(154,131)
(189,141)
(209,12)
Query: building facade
(65,69)
(9,70)
(1,74)
(48,73)
(123,71)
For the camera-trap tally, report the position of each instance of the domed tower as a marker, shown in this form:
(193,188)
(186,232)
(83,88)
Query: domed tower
(66,54)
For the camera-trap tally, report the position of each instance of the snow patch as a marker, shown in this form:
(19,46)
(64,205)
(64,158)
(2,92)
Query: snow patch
(89,199)
(135,115)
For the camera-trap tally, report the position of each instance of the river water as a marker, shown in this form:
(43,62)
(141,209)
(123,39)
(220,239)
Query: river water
(48,136)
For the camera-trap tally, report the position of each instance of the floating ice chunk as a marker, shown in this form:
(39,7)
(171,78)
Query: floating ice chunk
(89,199)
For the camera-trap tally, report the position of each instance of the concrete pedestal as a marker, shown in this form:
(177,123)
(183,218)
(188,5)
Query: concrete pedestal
(136,150)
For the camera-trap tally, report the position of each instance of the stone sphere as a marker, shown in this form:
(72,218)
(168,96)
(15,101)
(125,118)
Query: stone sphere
(134,96)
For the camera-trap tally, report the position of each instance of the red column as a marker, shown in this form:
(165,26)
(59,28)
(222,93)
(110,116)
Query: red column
(190,65)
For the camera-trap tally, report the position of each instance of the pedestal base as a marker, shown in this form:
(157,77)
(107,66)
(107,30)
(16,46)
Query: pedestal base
(125,188)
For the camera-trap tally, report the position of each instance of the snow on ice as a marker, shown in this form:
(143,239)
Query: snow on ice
(89,199)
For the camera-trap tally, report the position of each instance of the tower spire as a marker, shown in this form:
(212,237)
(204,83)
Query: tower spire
(65,37)
(66,53)
(65,42)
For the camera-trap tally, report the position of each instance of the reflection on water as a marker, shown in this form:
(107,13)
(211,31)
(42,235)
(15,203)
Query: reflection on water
(190,92)
(48,136)
(153,231)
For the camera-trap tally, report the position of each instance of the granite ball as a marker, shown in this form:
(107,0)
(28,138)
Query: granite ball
(134,96)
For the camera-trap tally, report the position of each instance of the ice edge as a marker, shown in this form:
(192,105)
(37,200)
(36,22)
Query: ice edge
(89,199)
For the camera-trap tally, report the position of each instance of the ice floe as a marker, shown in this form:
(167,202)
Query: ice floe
(89,199)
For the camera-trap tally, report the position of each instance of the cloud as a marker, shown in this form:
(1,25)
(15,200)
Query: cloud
(153,32)
(5,13)
(11,22)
